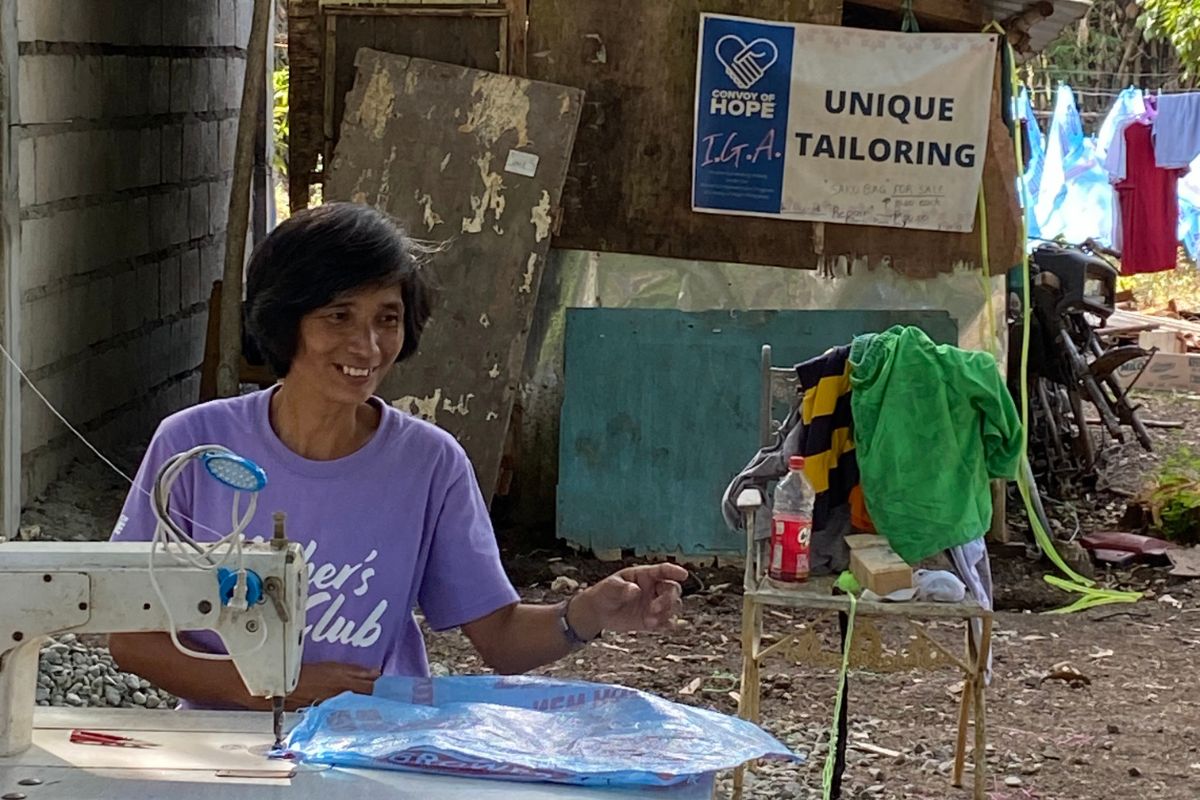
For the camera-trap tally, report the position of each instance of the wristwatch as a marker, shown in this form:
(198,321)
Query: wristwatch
(572,636)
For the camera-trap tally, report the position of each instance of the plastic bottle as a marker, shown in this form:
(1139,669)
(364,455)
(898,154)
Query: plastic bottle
(791,525)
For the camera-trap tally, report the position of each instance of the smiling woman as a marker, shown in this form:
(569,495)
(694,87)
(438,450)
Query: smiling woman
(386,505)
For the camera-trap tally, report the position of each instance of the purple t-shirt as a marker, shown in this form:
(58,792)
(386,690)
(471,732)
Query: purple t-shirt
(397,524)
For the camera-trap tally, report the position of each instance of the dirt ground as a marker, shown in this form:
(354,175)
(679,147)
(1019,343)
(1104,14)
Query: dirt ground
(1128,731)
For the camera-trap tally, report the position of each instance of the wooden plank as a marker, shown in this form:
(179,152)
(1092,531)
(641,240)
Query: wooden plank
(640,383)
(817,593)
(10,273)
(478,159)
(306,138)
(518,41)
(630,184)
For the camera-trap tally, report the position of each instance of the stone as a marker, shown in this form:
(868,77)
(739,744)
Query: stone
(1113,729)
(152,701)
(73,699)
(112,696)
(133,682)
(1134,772)
(1013,781)
(139,698)
(42,694)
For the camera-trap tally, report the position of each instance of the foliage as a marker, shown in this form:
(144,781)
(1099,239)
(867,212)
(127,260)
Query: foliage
(1175,497)
(280,122)
(1178,22)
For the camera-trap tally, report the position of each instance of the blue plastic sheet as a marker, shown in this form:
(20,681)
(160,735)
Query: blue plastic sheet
(528,728)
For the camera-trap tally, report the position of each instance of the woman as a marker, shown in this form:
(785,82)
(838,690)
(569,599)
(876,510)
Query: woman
(386,505)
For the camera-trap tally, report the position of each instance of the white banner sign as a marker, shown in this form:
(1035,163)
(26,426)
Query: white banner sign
(831,124)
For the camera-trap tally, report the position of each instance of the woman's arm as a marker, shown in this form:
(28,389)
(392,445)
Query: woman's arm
(154,657)
(521,637)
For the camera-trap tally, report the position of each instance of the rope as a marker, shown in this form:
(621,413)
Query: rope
(1092,596)
(831,756)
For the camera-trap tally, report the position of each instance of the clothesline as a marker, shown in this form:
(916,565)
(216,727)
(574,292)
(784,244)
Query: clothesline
(1106,73)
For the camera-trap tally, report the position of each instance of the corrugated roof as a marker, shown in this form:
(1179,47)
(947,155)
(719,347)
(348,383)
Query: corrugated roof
(1043,30)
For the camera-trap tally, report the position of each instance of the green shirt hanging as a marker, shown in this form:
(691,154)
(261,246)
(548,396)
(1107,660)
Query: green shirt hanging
(932,425)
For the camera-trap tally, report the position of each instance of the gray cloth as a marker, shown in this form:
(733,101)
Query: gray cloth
(1177,130)
(973,566)
(769,464)
(829,551)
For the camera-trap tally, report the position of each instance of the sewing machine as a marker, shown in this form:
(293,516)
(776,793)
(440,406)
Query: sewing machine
(53,588)
(175,584)
(49,588)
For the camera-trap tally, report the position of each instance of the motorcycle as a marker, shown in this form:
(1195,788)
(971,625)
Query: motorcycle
(1072,293)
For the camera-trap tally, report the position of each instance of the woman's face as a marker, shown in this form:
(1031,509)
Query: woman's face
(345,348)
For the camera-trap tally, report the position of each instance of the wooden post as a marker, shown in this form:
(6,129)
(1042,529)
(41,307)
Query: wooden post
(999,530)
(239,199)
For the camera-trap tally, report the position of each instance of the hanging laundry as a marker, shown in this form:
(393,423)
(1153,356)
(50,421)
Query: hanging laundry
(1177,130)
(933,425)
(1149,203)
(1034,151)
(1129,107)
(1088,208)
(1064,137)
(1189,211)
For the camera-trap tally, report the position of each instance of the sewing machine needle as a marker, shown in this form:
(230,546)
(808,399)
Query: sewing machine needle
(277,711)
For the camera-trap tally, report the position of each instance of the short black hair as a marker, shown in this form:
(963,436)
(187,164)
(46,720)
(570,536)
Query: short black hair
(320,254)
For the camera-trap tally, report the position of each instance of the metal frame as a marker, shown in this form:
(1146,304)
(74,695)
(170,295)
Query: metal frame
(818,594)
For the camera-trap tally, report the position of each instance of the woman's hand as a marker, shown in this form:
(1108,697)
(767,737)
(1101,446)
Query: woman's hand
(324,679)
(642,598)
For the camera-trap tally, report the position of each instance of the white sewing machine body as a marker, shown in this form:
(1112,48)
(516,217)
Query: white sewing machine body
(49,588)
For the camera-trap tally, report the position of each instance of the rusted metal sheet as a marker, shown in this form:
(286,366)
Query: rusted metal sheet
(477,160)
(629,186)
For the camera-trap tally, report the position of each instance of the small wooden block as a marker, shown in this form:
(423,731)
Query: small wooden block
(859,541)
(880,570)
(1165,341)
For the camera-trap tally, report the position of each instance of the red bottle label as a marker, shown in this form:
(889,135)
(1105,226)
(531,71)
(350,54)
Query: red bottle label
(790,542)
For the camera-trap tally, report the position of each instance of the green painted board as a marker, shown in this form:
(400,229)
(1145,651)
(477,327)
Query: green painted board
(660,411)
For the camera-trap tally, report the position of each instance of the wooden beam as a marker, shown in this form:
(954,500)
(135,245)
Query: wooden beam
(253,88)
(965,15)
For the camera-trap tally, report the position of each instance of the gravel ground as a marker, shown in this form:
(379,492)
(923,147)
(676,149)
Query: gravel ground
(1126,731)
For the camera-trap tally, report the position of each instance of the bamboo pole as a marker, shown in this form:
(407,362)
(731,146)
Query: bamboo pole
(239,200)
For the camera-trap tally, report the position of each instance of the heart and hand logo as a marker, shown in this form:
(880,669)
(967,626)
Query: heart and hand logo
(746,64)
